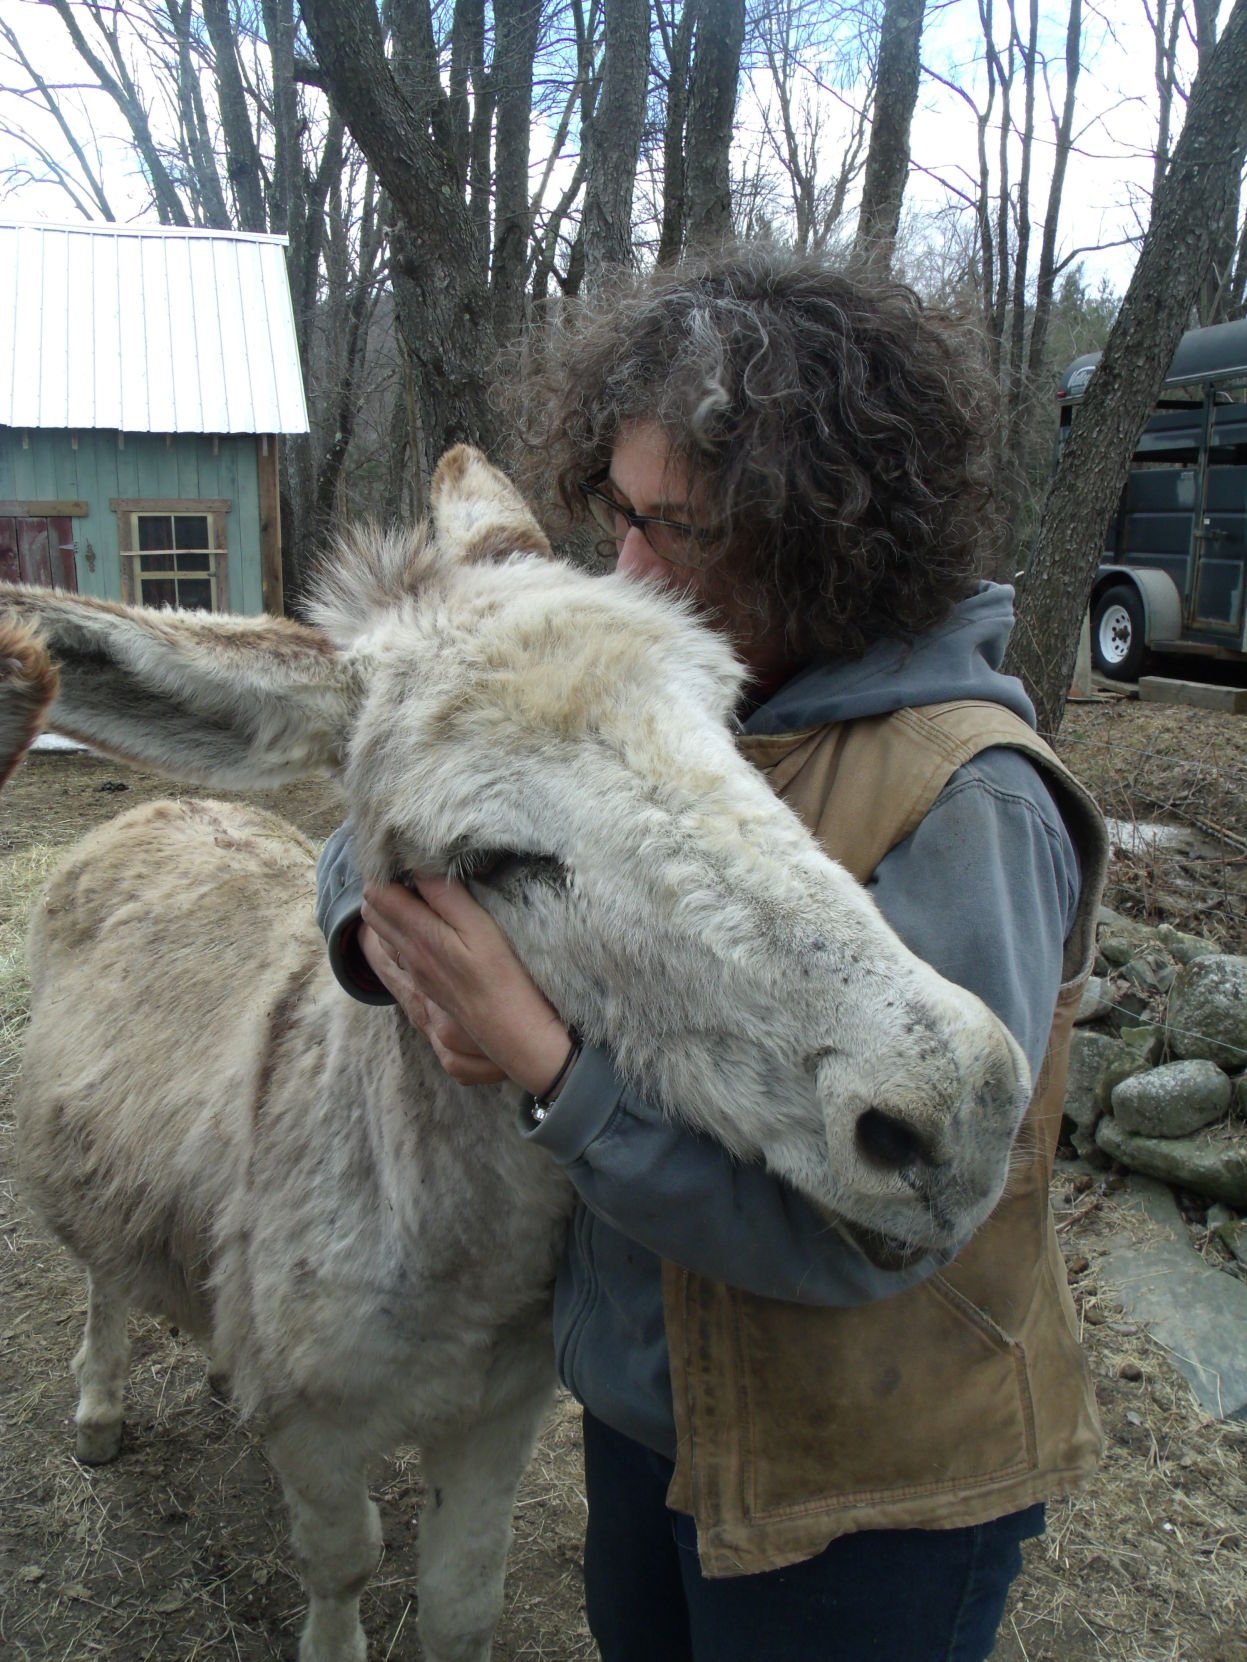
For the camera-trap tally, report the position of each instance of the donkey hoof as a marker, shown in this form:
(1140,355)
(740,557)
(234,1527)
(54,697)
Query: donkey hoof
(98,1441)
(219,1384)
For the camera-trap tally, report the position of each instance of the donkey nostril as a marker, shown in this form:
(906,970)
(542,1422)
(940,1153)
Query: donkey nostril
(888,1142)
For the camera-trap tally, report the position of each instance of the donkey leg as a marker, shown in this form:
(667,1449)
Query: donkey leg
(471,1476)
(335,1531)
(101,1367)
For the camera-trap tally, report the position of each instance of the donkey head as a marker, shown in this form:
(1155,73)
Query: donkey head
(561,742)
(27,687)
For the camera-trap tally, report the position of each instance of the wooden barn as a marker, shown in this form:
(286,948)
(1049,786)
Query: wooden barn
(145,377)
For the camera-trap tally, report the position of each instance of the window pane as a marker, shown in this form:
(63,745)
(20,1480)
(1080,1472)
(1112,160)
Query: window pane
(190,531)
(155,562)
(193,562)
(195,592)
(159,591)
(155,531)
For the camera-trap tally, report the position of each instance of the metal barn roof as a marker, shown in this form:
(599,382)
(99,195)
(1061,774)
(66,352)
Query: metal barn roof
(148,330)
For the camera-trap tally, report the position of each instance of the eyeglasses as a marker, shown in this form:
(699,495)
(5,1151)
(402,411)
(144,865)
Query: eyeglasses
(680,545)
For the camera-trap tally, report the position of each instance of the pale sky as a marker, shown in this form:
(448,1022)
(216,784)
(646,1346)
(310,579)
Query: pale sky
(1108,181)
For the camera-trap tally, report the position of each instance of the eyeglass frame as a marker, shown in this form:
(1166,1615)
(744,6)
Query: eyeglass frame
(640,522)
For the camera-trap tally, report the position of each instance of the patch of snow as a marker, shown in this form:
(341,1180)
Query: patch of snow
(1142,836)
(55,741)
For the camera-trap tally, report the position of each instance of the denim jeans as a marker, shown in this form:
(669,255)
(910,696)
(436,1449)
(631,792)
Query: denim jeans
(898,1595)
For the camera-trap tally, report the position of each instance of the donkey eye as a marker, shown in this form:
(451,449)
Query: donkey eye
(477,865)
(506,870)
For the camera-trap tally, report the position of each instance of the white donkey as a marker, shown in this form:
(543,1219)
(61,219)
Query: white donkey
(221,1135)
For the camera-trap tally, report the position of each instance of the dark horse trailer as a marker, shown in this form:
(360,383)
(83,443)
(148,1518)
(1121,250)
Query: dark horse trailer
(1175,561)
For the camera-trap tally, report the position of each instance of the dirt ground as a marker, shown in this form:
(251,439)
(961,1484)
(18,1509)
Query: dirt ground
(176,1553)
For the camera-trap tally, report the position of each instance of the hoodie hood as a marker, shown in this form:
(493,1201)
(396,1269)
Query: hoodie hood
(958,659)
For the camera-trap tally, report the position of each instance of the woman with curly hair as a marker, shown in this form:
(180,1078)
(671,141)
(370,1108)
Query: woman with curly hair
(792,1453)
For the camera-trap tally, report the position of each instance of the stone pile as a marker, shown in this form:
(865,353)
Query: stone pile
(1158,1065)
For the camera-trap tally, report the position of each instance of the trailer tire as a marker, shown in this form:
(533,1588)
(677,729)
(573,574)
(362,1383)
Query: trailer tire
(1118,633)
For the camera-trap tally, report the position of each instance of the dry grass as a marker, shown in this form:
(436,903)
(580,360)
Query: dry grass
(1176,766)
(1146,1564)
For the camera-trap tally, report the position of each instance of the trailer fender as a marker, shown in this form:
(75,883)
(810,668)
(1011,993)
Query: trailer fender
(1162,603)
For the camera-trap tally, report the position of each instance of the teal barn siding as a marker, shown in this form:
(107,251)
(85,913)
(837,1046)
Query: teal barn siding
(44,465)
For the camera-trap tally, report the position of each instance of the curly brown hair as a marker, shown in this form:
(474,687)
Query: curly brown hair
(838,433)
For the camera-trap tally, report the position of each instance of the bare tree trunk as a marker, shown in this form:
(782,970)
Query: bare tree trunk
(612,138)
(555,218)
(711,109)
(678,41)
(202,178)
(1236,304)
(516,44)
(1021,257)
(286,211)
(439,287)
(1166,27)
(887,158)
(1216,297)
(1202,179)
(242,158)
(1045,279)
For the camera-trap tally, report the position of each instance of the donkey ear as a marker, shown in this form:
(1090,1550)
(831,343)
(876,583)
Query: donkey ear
(239,702)
(27,687)
(477,511)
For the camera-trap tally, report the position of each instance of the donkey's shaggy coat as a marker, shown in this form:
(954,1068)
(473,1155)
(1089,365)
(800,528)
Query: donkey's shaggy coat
(219,1133)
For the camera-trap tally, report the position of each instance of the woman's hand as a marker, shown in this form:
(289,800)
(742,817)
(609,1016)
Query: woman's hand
(455,976)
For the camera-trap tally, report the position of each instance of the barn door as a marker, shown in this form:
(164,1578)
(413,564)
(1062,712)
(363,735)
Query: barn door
(39,549)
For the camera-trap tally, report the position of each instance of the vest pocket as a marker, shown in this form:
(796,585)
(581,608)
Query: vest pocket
(932,1397)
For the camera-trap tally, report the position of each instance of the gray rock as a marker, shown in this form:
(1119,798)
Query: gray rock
(1129,1007)
(1164,901)
(1199,1314)
(1240,1095)
(1233,1234)
(1212,1163)
(1207,1012)
(1095,1001)
(1172,1101)
(1097,1062)
(1146,1041)
(1089,1152)
(1126,939)
(1152,972)
(1106,918)
(1219,1214)
(1182,947)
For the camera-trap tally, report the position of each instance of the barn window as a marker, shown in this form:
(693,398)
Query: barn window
(173,554)
(176,561)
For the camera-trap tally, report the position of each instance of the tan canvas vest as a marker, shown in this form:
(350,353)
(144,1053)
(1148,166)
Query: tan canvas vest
(968,1396)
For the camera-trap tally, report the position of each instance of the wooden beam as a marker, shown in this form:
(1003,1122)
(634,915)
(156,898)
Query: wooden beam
(1199,695)
(169,504)
(38,509)
(272,594)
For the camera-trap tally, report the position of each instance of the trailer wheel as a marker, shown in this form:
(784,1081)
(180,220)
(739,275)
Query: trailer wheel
(1118,644)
